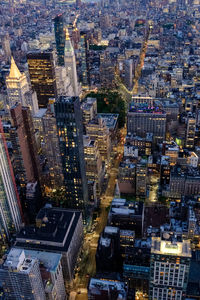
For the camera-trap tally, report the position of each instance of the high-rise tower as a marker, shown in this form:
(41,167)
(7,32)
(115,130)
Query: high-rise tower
(10,207)
(70,64)
(60,38)
(70,130)
(26,163)
(17,85)
(42,75)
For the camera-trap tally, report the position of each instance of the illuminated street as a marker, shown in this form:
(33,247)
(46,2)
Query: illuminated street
(87,266)
(154,185)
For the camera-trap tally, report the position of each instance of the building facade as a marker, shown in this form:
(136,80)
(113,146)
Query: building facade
(60,38)
(21,278)
(41,67)
(169,268)
(70,64)
(17,85)
(70,131)
(147,120)
(11,213)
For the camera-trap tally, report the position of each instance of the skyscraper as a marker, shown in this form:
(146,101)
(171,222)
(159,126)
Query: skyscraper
(17,85)
(51,150)
(42,75)
(96,129)
(60,38)
(25,156)
(22,121)
(70,130)
(70,64)
(22,161)
(83,52)
(190,132)
(10,213)
(169,267)
(128,73)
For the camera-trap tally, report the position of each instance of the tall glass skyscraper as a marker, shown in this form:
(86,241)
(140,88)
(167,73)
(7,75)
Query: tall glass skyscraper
(70,130)
(10,207)
(42,75)
(60,38)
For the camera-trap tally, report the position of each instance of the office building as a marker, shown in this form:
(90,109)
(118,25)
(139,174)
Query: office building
(143,120)
(169,267)
(32,101)
(93,162)
(63,84)
(96,129)
(184,181)
(11,213)
(33,200)
(60,37)
(26,163)
(89,109)
(83,59)
(20,277)
(137,146)
(51,272)
(52,150)
(128,73)
(41,67)
(111,122)
(17,85)
(141,178)
(23,165)
(136,266)
(126,215)
(70,64)
(23,123)
(127,177)
(70,131)
(190,132)
(107,71)
(57,230)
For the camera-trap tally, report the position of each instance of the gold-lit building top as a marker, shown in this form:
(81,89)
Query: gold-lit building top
(14,71)
(67,37)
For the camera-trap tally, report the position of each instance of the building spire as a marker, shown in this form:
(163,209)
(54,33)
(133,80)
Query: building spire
(67,37)
(14,71)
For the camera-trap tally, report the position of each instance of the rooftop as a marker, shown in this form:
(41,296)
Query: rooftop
(146,109)
(98,284)
(54,230)
(170,246)
(109,119)
(18,261)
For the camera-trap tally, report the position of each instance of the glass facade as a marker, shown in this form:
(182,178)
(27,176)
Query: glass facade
(70,130)
(60,38)
(42,76)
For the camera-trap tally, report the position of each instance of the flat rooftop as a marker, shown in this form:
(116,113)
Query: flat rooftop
(146,109)
(54,231)
(109,119)
(18,261)
(171,247)
(98,284)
